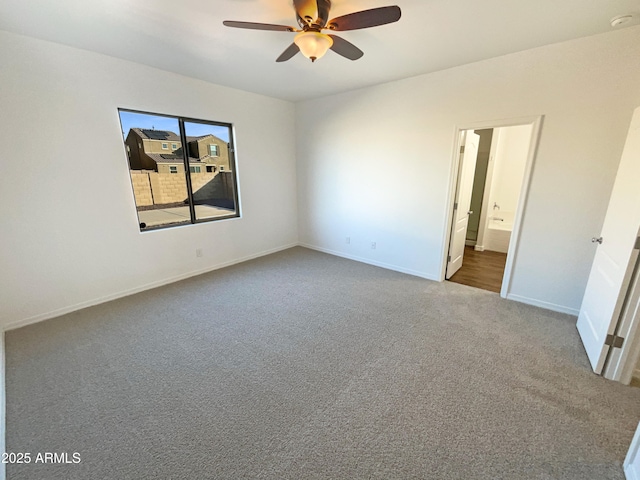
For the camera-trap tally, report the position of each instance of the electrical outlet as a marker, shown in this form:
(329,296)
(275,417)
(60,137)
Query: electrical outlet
(373,245)
(198,252)
(348,240)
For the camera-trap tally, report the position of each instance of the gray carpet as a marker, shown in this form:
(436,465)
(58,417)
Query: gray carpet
(302,365)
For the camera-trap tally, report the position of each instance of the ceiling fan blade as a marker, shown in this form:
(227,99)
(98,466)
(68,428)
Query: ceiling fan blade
(365,19)
(306,10)
(346,49)
(259,26)
(288,53)
(323,12)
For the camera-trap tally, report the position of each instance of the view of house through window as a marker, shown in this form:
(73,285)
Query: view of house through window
(194,181)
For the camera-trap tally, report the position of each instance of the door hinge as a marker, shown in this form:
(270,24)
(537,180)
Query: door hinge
(462,149)
(455,206)
(637,246)
(614,341)
(448,258)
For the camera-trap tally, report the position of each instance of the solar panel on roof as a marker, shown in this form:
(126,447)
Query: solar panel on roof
(156,134)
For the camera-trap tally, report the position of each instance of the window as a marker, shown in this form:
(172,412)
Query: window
(170,195)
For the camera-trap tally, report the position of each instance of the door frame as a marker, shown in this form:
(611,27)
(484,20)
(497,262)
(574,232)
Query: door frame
(536,122)
(620,363)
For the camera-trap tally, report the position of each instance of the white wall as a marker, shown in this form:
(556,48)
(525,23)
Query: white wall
(510,160)
(375,164)
(70,234)
(505,186)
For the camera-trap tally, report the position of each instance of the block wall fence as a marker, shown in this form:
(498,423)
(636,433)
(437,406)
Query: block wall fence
(153,188)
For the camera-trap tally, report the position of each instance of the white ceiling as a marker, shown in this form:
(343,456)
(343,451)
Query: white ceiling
(188,37)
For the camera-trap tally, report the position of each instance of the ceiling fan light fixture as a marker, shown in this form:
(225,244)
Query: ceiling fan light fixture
(311,42)
(313,45)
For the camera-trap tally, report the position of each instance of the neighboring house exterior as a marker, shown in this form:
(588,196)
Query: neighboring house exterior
(155,155)
(211,150)
(161,151)
(143,145)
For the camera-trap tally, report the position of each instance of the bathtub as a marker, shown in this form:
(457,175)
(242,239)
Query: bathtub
(497,234)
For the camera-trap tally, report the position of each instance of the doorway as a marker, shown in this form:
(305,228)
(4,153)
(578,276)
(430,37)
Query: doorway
(491,174)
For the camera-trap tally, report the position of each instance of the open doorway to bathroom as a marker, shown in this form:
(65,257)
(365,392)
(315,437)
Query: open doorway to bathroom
(492,176)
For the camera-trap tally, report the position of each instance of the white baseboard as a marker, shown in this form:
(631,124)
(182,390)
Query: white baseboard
(375,263)
(125,293)
(96,301)
(542,304)
(479,248)
(632,461)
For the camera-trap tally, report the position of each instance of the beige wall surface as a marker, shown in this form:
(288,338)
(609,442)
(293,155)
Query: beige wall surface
(203,152)
(586,89)
(84,208)
(155,146)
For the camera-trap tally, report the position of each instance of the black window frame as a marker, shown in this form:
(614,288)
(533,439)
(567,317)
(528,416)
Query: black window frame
(185,160)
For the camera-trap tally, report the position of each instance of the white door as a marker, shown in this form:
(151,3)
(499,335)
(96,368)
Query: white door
(612,266)
(466,172)
(632,462)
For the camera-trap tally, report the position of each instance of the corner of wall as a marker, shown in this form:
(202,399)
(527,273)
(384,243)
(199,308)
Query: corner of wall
(542,304)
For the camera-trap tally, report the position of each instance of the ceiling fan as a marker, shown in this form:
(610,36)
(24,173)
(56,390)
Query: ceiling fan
(313,17)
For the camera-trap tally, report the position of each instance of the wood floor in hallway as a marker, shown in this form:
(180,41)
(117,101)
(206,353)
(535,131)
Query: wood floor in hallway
(481,269)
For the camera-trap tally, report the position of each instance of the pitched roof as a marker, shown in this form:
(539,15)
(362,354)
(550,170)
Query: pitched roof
(165,135)
(202,137)
(172,159)
(169,136)
(195,139)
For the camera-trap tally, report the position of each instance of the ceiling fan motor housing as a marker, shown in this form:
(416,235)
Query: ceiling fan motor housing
(312,13)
